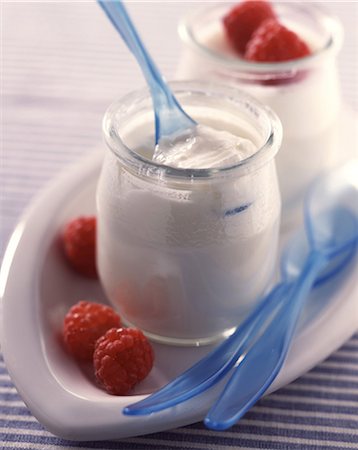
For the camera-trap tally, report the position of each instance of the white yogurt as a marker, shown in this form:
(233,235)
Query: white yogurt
(203,147)
(308,106)
(185,257)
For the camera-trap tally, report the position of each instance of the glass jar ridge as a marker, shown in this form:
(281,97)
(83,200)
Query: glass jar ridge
(134,102)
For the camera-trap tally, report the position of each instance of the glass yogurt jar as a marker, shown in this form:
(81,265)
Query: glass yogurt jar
(305,92)
(184,254)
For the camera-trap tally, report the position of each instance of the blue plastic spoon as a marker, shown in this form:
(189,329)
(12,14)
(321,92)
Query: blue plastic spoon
(331,222)
(217,363)
(170,118)
(213,367)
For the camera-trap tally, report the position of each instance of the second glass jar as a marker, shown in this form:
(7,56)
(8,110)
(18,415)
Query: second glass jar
(305,93)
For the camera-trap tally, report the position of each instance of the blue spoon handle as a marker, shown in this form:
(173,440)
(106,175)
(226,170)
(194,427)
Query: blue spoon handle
(169,116)
(120,19)
(216,364)
(263,361)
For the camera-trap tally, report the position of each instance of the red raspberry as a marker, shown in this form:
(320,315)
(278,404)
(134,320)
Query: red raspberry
(122,358)
(79,241)
(84,323)
(244,19)
(273,42)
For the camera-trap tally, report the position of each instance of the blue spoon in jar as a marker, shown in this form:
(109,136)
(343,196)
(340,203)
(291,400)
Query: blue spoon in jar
(170,118)
(223,358)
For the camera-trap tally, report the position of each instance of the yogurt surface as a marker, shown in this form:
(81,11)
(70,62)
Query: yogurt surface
(203,147)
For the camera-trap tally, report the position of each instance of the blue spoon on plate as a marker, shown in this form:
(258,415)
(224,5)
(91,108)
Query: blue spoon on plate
(170,118)
(331,223)
(218,363)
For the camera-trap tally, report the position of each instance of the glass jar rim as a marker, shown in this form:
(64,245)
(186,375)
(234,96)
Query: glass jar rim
(150,168)
(333,43)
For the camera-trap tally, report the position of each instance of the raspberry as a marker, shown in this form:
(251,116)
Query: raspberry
(273,42)
(244,19)
(79,242)
(84,323)
(122,358)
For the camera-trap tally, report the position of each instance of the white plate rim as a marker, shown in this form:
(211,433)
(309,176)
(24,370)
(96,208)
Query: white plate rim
(77,418)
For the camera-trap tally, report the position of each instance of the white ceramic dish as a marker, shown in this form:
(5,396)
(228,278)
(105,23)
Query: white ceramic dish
(37,288)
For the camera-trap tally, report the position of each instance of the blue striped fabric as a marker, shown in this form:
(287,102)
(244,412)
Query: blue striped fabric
(62,64)
(318,411)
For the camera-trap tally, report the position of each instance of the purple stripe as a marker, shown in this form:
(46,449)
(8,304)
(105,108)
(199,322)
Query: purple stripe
(21,424)
(317,394)
(349,348)
(62,101)
(333,382)
(16,144)
(250,429)
(255,414)
(9,396)
(32,130)
(17,410)
(52,440)
(6,383)
(343,359)
(33,181)
(49,147)
(17,202)
(204,440)
(28,183)
(85,72)
(235,442)
(271,403)
(11,214)
(28,154)
(273,420)
(335,371)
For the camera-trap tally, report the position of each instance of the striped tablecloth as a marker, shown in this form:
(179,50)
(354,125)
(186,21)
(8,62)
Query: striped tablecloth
(62,64)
